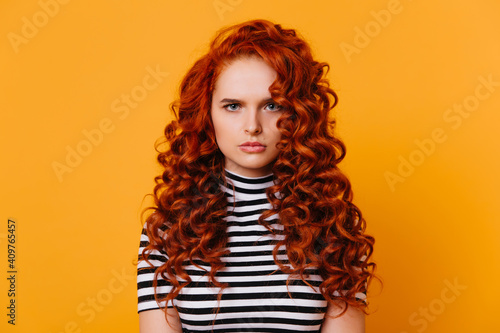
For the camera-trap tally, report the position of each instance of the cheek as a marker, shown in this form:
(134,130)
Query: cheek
(275,131)
(221,128)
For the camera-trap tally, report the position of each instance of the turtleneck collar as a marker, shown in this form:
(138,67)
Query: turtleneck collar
(245,188)
(235,176)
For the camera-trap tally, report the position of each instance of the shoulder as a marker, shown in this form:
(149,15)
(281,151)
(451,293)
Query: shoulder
(352,321)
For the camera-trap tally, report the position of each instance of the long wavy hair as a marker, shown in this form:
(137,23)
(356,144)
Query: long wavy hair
(323,229)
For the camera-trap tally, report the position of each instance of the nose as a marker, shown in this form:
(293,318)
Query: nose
(252,123)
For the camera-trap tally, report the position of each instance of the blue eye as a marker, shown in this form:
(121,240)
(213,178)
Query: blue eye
(274,107)
(231,107)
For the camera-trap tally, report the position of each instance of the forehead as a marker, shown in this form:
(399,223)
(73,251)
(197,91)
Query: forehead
(245,76)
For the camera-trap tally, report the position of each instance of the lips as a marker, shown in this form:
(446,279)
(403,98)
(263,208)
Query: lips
(252,147)
(252,144)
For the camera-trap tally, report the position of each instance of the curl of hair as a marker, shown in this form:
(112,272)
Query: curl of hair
(323,229)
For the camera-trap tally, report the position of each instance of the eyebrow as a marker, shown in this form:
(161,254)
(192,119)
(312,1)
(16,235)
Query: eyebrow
(233,100)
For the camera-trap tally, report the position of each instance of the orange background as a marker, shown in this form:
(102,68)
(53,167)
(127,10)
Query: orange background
(402,69)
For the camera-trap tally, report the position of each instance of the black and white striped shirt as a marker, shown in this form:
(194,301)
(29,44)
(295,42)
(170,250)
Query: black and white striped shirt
(257,298)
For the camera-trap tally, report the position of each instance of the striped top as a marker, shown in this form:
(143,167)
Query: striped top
(256,299)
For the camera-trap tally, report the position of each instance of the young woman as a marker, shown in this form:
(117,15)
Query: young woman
(253,227)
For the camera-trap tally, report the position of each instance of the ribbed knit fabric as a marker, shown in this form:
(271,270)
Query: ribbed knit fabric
(257,299)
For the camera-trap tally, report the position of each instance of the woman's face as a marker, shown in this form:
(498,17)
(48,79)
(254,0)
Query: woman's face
(244,117)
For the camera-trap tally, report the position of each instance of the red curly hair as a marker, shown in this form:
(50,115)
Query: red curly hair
(322,227)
